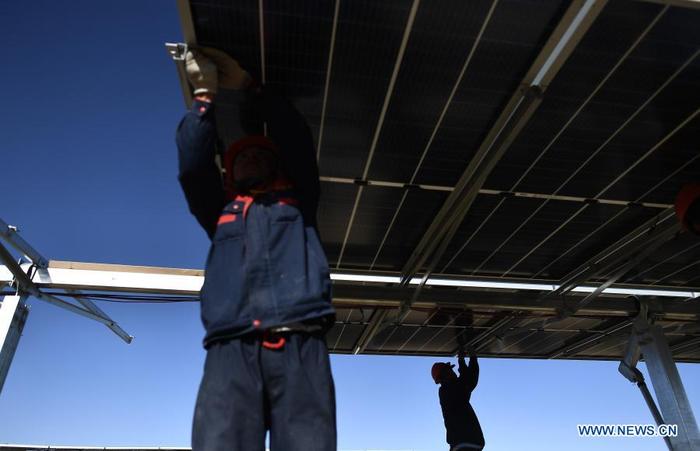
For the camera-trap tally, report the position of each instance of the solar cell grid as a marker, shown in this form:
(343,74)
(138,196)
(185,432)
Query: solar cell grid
(406,91)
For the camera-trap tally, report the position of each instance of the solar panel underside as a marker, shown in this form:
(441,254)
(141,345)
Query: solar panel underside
(404,91)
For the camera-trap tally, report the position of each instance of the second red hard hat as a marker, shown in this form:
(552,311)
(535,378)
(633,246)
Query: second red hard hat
(688,207)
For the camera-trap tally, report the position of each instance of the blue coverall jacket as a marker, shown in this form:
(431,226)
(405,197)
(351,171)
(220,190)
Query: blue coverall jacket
(460,419)
(266,267)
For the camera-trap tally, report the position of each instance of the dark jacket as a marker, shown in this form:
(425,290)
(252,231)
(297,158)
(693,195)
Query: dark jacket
(460,419)
(266,266)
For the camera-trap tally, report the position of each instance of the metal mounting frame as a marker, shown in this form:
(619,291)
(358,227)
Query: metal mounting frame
(647,339)
(11,235)
(13,309)
(513,118)
(692,4)
(177,51)
(522,105)
(619,258)
(13,316)
(24,284)
(589,340)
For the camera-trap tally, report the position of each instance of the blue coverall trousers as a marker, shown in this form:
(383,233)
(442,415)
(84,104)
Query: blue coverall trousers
(248,389)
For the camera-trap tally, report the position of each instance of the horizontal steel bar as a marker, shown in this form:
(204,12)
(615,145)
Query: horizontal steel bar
(148,279)
(494,192)
(692,4)
(583,343)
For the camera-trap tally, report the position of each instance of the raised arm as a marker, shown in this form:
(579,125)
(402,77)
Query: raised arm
(200,178)
(199,175)
(469,375)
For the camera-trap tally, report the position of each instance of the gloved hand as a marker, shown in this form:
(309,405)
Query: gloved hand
(201,72)
(230,73)
(209,68)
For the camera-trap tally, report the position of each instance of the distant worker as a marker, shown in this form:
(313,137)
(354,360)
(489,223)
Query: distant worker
(266,298)
(463,429)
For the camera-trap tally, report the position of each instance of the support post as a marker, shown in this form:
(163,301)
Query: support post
(669,390)
(13,316)
(648,340)
(628,368)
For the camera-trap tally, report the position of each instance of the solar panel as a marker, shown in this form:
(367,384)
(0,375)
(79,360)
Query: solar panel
(403,96)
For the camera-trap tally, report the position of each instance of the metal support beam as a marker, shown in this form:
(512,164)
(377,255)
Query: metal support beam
(620,258)
(635,376)
(177,51)
(493,192)
(370,331)
(63,275)
(373,296)
(645,250)
(326,85)
(497,329)
(622,249)
(13,316)
(648,340)
(450,216)
(183,7)
(682,347)
(25,284)
(590,339)
(513,118)
(119,278)
(10,235)
(114,327)
(622,264)
(692,4)
(668,386)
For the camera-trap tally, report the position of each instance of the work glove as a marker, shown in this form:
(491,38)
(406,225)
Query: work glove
(201,72)
(229,72)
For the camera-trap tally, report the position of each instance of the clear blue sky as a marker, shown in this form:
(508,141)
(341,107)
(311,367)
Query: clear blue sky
(91,102)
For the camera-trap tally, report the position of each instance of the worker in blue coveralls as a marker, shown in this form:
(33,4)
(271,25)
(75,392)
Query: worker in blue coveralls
(266,298)
(461,423)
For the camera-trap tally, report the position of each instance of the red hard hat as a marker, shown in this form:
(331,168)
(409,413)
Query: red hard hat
(238,146)
(689,196)
(437,371)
